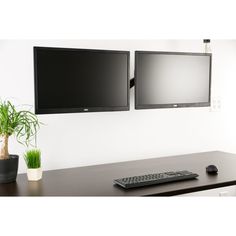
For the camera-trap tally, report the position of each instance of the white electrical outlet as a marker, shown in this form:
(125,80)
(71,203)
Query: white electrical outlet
(215,104)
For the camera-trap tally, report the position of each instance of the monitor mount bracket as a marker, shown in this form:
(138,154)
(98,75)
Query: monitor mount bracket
(132,83)
(207,45)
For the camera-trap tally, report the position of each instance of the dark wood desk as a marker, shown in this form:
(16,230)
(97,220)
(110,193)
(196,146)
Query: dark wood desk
(98,180)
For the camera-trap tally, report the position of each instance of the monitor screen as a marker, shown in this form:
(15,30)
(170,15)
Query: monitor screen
(80,80)
(169,79)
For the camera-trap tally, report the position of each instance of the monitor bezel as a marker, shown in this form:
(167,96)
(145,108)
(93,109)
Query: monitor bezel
(171,105)
(39,110)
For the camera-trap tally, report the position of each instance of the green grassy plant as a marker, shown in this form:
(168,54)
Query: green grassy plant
(33,158)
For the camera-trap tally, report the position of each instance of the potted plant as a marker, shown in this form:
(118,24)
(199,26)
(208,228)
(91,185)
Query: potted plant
(24,125)
(33,162)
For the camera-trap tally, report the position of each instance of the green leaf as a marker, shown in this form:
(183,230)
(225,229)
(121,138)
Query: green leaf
(23,124)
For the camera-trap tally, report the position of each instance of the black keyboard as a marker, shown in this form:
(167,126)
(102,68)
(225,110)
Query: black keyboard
(156,178)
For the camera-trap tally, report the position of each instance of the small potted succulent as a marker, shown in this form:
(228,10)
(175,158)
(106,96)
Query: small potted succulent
(24,125)
(33,162)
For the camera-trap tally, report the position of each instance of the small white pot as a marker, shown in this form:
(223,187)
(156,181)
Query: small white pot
(34,174)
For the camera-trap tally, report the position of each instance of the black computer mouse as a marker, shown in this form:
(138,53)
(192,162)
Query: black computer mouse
(211,169)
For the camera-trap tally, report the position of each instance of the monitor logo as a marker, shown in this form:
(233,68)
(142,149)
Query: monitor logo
(175,105)
(85,109)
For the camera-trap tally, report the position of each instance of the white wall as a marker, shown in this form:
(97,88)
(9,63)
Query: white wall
(79,139)
(227,54)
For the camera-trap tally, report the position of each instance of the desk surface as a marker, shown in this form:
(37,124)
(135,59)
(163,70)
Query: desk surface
(98,180)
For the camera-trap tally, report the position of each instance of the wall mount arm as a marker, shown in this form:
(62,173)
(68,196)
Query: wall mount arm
(131,85)
(207,42)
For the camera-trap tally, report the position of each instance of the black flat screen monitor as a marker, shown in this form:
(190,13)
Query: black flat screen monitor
(80,80)
(171,79)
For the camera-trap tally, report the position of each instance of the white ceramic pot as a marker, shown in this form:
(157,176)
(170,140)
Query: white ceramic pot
(34,174)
